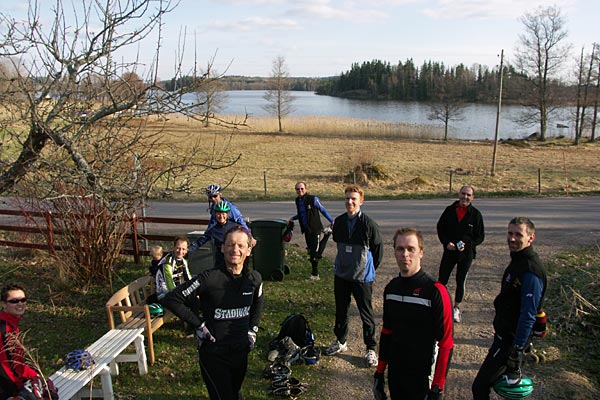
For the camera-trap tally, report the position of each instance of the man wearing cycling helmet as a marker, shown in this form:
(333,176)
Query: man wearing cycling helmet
(216,232)
(213,192)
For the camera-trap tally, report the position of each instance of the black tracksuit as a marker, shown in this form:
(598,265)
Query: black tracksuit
(308,209)
(509,308)
(417,314)
(230,305)
(470,231)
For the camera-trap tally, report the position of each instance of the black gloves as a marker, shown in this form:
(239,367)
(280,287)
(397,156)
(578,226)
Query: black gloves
(513,366)
(435,393)
(379,386)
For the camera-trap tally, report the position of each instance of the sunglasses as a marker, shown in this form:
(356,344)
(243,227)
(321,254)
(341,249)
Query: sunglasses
(17,301)
(214,196)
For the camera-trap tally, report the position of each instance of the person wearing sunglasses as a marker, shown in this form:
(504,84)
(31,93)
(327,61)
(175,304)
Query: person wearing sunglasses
(213,192)
(309,209)
(14,372)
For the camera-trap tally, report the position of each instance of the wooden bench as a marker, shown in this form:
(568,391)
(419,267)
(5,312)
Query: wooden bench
(129,303)
(106,352)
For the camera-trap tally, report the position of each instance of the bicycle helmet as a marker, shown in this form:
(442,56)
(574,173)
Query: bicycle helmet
(79,359)
(519,391)
(156,310)
(213,189)
(222,206)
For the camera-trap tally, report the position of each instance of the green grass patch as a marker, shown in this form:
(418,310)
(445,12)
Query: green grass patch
(60,319)
(572,302)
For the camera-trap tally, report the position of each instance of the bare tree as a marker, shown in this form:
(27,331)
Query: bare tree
(66,99)
(540,55)
(279,100)
(78,109)
(210,93)
(447,106)
(594,121)
(584,81)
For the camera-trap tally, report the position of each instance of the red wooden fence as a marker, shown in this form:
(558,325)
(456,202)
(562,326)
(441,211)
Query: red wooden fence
(48,233)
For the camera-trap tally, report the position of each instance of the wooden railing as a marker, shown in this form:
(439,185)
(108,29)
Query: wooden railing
(48,232)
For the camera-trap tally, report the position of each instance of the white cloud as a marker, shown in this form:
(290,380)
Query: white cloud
(252,23)
(344,12)
(485,9)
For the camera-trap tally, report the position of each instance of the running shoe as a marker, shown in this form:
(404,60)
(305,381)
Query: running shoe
(456,314)
(371,358)
(336,347)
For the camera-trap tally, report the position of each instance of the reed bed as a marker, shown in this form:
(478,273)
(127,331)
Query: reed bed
(323,151)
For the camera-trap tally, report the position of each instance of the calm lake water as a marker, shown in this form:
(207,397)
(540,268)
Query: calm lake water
(479,120)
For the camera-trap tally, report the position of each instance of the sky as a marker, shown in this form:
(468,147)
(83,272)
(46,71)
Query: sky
(320,38)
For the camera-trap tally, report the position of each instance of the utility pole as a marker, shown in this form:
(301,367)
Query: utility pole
(498,113)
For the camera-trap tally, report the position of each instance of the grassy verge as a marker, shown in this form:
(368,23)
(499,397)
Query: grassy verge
(60,319)
(573,307)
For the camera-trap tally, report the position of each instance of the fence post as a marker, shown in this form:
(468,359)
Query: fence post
(539,180)
(134,239)
(48,217)
(450,189)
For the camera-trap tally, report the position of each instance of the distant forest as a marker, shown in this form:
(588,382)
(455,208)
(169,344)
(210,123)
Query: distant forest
(380,80)
(432,81)
(253,83)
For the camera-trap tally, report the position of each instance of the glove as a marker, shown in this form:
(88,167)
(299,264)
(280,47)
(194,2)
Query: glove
(379,386)
(252,337)
(204,335)
(513,366)
(435,393)
(51,391)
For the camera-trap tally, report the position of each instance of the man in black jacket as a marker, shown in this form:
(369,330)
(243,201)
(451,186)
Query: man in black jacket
(460,229)
(359,253)
(417,316)
(224,305)
(521,296)
(308,209)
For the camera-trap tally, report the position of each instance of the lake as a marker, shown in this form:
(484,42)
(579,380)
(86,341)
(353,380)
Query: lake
(479,119)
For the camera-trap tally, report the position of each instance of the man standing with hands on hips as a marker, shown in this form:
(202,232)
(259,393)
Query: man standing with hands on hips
(224,305)
(460,230)
(359,253)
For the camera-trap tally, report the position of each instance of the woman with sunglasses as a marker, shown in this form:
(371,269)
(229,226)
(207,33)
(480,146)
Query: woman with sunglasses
(14,372)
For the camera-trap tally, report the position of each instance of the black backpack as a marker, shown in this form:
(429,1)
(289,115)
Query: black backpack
(296,326)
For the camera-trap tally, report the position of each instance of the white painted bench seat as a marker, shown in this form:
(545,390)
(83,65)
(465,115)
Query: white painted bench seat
(107,354)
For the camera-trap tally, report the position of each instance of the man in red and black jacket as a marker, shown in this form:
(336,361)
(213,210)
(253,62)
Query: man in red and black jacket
(460,230)
(417,316)
(13,370)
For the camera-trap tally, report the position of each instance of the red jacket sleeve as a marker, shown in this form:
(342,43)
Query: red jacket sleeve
(444,338)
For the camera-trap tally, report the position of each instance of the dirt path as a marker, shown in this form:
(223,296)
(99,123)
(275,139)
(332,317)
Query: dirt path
(352,380)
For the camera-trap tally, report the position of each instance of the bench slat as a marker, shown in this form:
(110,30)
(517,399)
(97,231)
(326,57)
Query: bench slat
(129,303)
(105,351)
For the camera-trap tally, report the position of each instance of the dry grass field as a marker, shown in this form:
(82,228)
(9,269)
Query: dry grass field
(324,151)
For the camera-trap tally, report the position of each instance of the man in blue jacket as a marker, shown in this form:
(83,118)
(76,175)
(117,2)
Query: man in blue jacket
(309,209)
(359,253)
(521,294)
